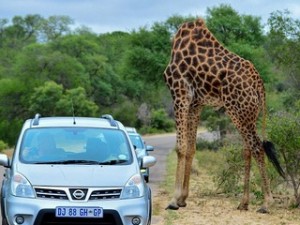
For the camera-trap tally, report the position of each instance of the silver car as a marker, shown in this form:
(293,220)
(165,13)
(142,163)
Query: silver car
(141,149)
(74,170)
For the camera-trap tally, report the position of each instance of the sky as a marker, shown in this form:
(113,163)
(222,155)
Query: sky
(103,16)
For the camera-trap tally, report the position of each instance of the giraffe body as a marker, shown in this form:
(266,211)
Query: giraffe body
(202,72)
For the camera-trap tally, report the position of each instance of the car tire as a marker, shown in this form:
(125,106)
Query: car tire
(146,179)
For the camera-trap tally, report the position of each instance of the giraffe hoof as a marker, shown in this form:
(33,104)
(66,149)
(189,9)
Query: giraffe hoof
(243,207)
(263,210)
(172,207)
(183,204)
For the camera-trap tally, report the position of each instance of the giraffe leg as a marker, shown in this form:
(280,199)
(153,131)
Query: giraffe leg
(245,200)
(258,153)
(181,150)
(268,199)
(245,122)
(193,122)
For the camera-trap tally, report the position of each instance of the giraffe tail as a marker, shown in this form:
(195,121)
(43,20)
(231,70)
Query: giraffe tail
(272,156)
(267,145)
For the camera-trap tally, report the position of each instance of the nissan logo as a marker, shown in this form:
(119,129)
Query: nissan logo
(78,194)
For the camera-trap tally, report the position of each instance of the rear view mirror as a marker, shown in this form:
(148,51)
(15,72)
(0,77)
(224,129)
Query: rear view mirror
(149,148)
(148,161)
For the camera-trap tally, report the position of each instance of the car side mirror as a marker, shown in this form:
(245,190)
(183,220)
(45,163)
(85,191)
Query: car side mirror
(149,148)
(148,161)
(4,161)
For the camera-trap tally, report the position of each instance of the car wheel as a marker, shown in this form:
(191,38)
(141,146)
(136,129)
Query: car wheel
(146,179)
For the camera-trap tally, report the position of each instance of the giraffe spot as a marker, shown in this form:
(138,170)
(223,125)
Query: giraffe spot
(201,59)
(210,61)
(190,25)
(178,57)
(199,22)
(219,65)
(183,67)
(205,43)
(185,33)
(205,67)
(207,87)
(176,43)
(209,78)
(208,36)
(214,70)
(195,62)
(197,34)
(192,48)
(184,43)
(216,44)
(222,74)
(176,74)
(202,50)
(216,83)
(188,60)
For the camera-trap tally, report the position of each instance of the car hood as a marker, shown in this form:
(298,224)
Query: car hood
(77,175)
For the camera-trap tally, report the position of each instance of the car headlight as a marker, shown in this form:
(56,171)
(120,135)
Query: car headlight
(21,187)
(134,188)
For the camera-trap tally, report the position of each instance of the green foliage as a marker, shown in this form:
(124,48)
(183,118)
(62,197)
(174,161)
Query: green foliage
(76,100)
(44,99)
(208,145)
(284,131)
(50,100)
(229,26)
(217,121)
(10,130)
(283,45)
(229,177)
(3,145)
(161,121)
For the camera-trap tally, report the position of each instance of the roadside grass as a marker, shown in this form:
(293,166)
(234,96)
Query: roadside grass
(208,205)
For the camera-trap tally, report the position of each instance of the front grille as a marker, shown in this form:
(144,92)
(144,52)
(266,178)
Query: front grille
(47,217)
(51,193)
(105,194)
(68,193)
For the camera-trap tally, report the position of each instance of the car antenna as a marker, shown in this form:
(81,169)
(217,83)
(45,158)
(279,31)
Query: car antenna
(73,110)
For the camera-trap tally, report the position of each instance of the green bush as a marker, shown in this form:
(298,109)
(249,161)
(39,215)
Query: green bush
(3,145)
(284,132)
(161,121)
(230,173)
(208,145)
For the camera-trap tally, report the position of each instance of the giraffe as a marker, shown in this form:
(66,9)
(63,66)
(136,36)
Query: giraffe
(202,72)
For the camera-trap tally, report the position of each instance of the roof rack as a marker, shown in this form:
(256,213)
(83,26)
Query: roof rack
(36,119)
(110,119)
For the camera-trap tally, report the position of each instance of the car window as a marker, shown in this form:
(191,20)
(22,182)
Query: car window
(137,141)
(67,144)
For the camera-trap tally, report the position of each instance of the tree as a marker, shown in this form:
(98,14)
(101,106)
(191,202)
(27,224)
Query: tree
(75,102)
(229,26)
(44,99)
(37,63)
(283,45)
(51,99)
(55,27)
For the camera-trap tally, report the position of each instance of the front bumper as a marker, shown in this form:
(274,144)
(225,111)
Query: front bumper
(42,211)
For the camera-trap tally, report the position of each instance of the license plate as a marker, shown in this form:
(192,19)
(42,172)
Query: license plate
(82,212)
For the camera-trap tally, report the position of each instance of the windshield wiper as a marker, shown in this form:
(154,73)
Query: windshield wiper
(113,162)
(73,161)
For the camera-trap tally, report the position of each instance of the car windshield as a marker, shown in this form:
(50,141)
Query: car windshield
(136,141)
(75,146)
